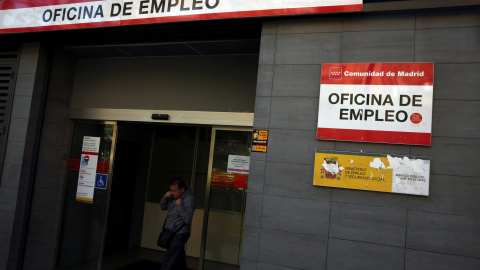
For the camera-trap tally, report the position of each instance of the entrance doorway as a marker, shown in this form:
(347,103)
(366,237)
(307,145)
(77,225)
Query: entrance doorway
(213,161)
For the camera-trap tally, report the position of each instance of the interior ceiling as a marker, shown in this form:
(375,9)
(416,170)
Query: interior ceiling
(225,47)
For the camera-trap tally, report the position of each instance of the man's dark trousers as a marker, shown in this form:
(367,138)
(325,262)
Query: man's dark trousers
(175,257)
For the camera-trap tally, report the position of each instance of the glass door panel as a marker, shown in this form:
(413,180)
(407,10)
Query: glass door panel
(228,177)
(83,222)
(172,156)
(177,151)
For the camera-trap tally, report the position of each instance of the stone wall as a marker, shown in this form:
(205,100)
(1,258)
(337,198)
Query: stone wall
(291,224)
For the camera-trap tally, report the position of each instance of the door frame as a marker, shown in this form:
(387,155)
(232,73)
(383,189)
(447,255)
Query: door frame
(109,180)
(109,187)
(207,191)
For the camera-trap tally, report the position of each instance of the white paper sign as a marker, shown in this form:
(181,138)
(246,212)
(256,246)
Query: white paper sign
(238,164)
(88,169)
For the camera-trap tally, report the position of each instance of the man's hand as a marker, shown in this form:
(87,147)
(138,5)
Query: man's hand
(178,201)
(167,195)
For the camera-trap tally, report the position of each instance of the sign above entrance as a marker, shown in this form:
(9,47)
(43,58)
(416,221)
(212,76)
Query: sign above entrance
(376,102)
(45,15)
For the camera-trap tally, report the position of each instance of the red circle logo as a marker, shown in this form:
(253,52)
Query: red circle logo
(86,158)
(416,118)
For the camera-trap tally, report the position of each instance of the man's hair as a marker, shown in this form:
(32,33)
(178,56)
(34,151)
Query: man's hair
(178,182)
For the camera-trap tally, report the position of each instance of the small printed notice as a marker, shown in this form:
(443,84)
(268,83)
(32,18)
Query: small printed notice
(374,172)
(238,164)
(88,169)
(260,140)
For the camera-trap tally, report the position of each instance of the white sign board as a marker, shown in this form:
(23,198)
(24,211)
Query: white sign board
(376,102)
(238,164)
(42,15)
(88,169)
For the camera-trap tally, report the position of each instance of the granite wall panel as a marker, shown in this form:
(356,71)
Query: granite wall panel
(378,46)
(463,17)
(265,80)
(255,204)
(450,234)
(293,181)
(345,255)
(456,81)
(311,48)
(370,224)
(370,230)
(452,156)
(297,80)
(291,146)
(447,45)
(298,113)
(449,194)
(262,108)
(251,236)
(289,219)
(420,260)
(293,250)
(256,176)
(454,118)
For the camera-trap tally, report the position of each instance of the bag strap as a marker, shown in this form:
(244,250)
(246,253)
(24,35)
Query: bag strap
(177,229)
(180,228)
(165,222)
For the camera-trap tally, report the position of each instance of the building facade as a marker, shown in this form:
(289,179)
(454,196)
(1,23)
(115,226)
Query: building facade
(211,82)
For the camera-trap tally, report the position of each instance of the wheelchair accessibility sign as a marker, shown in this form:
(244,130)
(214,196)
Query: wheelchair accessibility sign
(101,181)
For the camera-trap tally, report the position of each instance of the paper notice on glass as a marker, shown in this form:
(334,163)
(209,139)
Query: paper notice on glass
(88,169)
(238,164)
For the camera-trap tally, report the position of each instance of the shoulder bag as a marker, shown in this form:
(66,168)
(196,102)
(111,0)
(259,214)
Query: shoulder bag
(166,236)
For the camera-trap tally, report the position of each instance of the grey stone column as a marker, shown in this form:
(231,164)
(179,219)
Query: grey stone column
(20,154)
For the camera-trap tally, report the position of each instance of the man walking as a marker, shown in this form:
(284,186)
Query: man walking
(180,204)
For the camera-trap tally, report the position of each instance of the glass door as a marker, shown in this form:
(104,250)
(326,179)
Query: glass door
(86,195)
(225,198)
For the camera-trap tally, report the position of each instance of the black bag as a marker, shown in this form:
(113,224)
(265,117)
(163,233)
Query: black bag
(166,236)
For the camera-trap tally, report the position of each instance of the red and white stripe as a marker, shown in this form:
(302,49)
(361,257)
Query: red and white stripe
(26,16)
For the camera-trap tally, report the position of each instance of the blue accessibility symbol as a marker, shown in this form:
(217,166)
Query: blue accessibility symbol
(101,181)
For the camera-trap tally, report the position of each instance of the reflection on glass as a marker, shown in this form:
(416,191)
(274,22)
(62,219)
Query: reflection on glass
(106,143)
(179,151)
(83,224)
(172,156)
(227,200)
